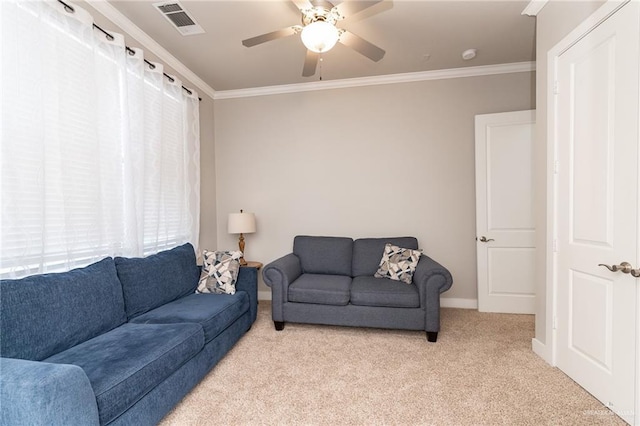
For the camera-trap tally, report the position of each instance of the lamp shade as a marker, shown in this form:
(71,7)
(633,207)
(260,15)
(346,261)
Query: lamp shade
(242,223)
(320,36)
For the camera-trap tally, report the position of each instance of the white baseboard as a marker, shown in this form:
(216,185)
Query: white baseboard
(445,302)
(541,350)
(454,302)
(264,295)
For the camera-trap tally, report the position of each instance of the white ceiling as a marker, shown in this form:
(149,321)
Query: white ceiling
(416,35)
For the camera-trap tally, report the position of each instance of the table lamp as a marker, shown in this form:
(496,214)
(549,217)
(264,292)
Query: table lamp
(242,223)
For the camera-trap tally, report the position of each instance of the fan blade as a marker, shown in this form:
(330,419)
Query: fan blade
(302,4)
(285,32)
(310,63)
(361,46)
(348,8)
(322,3)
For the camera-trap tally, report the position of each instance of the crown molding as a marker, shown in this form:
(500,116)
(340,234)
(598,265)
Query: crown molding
(515,67)
(150,44)
(534,7)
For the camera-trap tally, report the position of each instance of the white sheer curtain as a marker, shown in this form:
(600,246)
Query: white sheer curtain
(100,152)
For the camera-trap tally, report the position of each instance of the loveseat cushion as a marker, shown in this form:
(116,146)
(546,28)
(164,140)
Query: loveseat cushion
(214,312)
(45,314)
(157,279)
(321,289)
(367,252)
(370,291)
(124,364)
(324,255)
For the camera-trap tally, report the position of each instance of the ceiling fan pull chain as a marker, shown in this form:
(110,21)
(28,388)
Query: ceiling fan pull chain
(321,61)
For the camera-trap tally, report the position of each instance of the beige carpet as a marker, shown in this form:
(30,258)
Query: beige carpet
(480,372)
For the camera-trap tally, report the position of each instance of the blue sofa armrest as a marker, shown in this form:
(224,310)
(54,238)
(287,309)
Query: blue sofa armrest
(41,393)
(248,282)
(278,275)
(432,279)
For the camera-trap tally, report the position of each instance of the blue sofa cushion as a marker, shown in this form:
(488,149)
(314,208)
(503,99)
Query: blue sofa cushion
(324,255)
(321,289)
(214,312)
(126,363)
(45,314)
(370,291)
(157,279)
(367,252)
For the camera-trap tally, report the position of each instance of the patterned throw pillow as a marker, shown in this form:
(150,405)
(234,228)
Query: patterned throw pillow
(398,263)
(219,272)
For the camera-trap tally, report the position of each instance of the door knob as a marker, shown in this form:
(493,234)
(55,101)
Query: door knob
(624,267)
(484,239)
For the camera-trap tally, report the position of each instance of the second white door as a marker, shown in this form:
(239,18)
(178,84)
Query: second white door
(505,223)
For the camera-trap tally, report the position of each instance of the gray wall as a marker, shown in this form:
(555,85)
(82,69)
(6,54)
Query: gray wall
(383,160)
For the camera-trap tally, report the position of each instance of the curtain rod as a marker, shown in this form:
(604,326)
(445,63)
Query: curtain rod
(129,50)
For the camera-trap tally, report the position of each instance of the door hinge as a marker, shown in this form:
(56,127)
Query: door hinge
(554,323)
(554,245)
(556,167)
(556,90)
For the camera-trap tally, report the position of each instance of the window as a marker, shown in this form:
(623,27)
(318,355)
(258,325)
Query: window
(100,152)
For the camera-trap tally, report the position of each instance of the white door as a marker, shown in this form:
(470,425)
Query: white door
(596,127)
(505,224)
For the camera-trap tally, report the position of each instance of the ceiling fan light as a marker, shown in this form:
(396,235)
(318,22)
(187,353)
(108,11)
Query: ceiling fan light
(320,36)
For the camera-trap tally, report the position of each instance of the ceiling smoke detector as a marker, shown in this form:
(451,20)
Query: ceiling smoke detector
(179,18)
(469,54)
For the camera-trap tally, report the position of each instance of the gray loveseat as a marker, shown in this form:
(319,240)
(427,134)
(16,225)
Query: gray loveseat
(330,280)
(118,342)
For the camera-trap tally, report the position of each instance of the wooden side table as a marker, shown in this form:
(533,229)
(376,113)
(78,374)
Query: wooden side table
(251,264)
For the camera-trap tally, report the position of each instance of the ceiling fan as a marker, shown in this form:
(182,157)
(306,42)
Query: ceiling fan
(319,32)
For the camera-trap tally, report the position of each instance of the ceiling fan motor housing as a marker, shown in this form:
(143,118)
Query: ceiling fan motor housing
(321,13)
(319,32)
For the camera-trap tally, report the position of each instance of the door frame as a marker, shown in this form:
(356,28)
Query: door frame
(548,350)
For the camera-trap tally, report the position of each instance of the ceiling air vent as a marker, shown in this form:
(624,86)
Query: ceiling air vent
(179,17)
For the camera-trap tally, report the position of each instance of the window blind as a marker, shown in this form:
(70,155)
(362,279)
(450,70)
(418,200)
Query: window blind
(100,153)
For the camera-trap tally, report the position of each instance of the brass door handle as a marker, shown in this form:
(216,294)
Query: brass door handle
(624,267)
(484,239)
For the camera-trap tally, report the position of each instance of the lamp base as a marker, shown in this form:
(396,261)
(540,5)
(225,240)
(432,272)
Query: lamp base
(241,247)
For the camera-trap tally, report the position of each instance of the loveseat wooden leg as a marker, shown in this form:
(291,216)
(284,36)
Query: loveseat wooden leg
(432,336)
(279,325)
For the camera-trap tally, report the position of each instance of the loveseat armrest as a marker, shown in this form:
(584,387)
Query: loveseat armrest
(432,279)
(282,271)
(430,273)
(278,275)
(42,393)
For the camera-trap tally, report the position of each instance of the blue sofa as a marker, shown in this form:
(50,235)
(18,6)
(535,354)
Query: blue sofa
(330,280)
(119,342)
